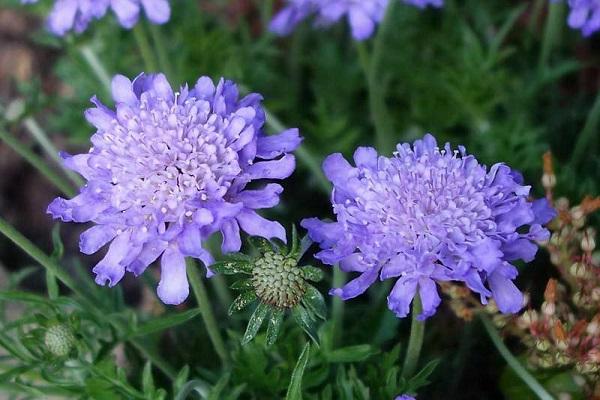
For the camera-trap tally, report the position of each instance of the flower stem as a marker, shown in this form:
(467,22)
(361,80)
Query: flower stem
(371,64)
(415,342)
(42,138)
(512,362)
(47,262)
(141,37)
(207,313)
(337,305)
(91,58)
(37,163)
(161,50)
(552,30)
(588,134)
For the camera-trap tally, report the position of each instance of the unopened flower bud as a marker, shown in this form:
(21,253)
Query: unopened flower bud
(596,294)
(562,203)
(546,361)
(548,308)
(527,319)
(578,270)
(59,340)
(588,243)
(578,217)
(542,345)
(278,281)
(548,181)
(562,359)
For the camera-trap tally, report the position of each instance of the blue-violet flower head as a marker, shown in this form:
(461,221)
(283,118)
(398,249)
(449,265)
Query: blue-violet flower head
(584,15)
(67,15)
(427,215)
(363,15)
(167,170)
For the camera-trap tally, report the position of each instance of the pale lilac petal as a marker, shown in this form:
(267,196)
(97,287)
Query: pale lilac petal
(173,287)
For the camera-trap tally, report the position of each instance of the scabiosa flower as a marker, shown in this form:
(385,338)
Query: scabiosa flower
(76,15)
(584,15)
(167,170)
(405,397)
(363,15)
(426,215)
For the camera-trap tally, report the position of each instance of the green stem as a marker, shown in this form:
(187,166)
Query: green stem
(139,32)
(207,313)
(588,134)
(219,284)
(96,66)
(512,362)
(552,30)
(161,50)
(337,305)
(304,156)
(47,262)
(415,342)
(41,137)
(371,65)
(37,163)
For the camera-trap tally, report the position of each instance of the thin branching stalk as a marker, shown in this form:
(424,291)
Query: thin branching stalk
(161,51)
(552,31)
(141,38)
(91,58)
(337,305)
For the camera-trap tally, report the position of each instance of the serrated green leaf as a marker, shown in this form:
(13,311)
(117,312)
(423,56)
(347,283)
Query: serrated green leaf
(232,267)
(181,378)
(147,379)
(159,324)
(275,321)
(351,354)
(306,322)
(312,273)
(313,300)
(294,391)
(256,321)
(243,284)
(241,302)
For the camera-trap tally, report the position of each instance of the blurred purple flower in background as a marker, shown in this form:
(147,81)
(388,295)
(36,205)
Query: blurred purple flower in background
(167,170)
(363,15)
(427,215)
(405,397)
(584,15)
(75,15)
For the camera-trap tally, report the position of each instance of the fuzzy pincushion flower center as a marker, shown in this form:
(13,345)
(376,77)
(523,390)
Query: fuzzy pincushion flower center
(278,281)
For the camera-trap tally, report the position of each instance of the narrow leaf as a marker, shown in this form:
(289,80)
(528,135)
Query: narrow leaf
(242,285)
(260,244)
(232,267)
(161,323)
(314,300)
(181,378)
(147,379)
(294,391)
(351,354)
(274,326)
(241,302)
(295,244)
(256,321)
(306,322)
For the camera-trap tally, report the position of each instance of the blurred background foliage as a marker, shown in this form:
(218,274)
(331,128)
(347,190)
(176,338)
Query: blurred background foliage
(507,79)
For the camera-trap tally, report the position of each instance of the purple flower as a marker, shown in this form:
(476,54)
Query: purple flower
(405,397)
(363,15)
(76,15)
(585,15)
(169,169)
(427,215)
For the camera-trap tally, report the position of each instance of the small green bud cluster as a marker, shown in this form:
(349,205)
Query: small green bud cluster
(59,340)
(278,281)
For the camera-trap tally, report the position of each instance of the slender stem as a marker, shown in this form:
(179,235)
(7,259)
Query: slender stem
(161,50)
(139,32)
(42,138)
(552,30)
(96,66)
(39,164)
(371,65)
(588,134)
(512,362)
(219,284)
(337,305)
(207,313)
(415,342)
(304,156)
(47,262)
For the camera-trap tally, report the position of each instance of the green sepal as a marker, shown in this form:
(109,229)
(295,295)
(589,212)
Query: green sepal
(294,245)
(241,302)
(275,321)
(312,273)
(261,244)
(237,257)
(314,301)
(232,267)
(306,322)
(242,285)
(256,321)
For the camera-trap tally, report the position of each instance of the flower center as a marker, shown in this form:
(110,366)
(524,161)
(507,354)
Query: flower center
(278,281)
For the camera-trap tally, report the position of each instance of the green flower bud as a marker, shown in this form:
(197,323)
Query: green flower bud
(278,281)
(59,340)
